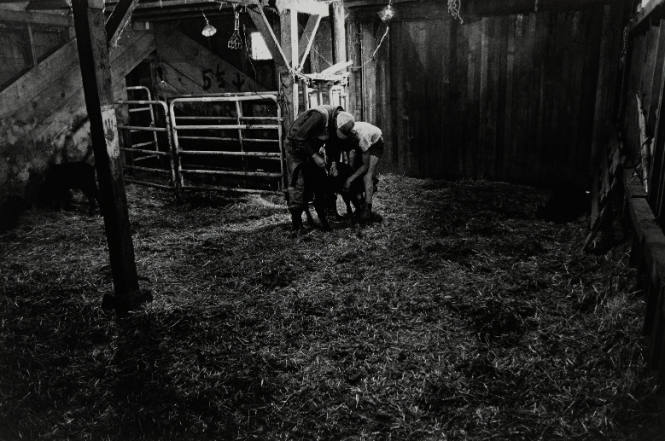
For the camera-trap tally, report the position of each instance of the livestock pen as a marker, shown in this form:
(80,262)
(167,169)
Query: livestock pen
(461,316)
(503,294)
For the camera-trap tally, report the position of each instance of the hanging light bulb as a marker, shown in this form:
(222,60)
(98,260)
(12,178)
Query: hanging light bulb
(208,30)
(388,12)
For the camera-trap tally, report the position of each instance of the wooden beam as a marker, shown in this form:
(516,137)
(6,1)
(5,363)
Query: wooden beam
(652,10)
(338,31)
(41,18)
(307,38)
(96,75)
(509,7)
(118,19)
(167,4)
(47,5)
(288,21)
(263,25)
(312,7)
(488,7)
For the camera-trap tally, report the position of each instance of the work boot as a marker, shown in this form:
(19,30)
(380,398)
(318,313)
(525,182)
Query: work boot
(365,214)
(296,220)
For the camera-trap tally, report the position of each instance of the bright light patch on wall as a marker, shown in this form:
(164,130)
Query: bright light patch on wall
(259,48)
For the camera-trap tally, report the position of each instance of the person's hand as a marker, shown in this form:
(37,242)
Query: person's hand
(347,184)
(318,160)
(333,170)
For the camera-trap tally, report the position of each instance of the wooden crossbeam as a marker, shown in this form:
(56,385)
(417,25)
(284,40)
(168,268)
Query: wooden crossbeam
(492,7)
(47,5)
(307,38)
(312,7)
(263,25)
(32,17)
(166,4)
(118,19)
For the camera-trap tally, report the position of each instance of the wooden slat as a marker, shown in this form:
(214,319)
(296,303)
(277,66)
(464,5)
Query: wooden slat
(42,18)
(505,97)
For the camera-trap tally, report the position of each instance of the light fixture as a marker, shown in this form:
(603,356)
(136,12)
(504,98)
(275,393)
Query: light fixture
(388,12)
(208,30)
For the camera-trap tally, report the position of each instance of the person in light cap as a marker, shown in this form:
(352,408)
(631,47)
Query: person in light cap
(312,129)
(366,142)
(345,124)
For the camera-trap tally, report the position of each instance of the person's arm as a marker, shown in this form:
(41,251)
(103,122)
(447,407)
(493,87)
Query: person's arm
(332,152)
(361,171)
(309,133)
(318,160)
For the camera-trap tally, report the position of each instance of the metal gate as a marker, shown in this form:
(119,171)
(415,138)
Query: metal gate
(147,141)
(228,142)
(224,142)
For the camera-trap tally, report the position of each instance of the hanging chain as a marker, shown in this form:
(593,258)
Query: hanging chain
(454,9)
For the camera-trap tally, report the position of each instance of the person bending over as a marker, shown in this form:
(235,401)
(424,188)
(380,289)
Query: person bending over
(368,139)
(312,129)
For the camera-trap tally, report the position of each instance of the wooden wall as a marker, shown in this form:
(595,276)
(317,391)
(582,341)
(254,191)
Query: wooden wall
(507,97)
(645,78)
(642,128)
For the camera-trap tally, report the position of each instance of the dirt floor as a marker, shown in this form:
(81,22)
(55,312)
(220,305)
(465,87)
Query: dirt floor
(459,317)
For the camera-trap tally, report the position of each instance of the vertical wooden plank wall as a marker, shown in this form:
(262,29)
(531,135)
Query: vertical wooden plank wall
(507,97)
(646,79)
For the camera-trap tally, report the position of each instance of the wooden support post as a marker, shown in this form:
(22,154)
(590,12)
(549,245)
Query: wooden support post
(289,41)
(96,74)
(338,31)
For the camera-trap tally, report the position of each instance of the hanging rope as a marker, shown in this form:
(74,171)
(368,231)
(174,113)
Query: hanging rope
(376,49)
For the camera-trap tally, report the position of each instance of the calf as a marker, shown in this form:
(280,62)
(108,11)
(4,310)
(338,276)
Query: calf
(566,203)
(318,190)
(62,178)
(355,194)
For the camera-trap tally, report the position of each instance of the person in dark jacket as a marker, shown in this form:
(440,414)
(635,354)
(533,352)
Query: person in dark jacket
(316,127)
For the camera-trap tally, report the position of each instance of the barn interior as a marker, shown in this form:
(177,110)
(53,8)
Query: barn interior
(510,288)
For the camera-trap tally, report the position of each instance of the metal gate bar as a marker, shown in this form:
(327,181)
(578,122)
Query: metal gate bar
(151,113)
(185,128)
(165,151)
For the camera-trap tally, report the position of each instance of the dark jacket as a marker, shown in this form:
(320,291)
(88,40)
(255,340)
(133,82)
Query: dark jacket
(307,130)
